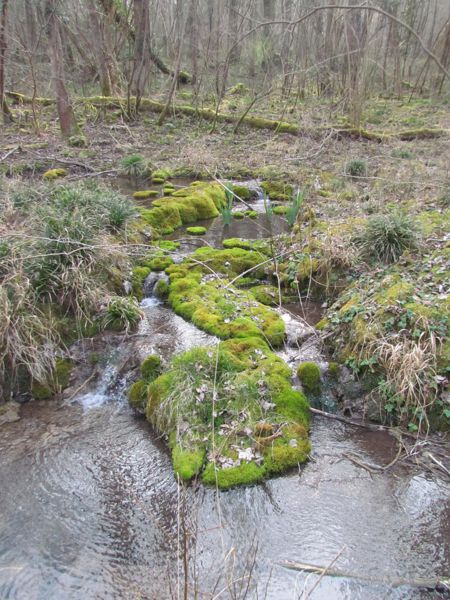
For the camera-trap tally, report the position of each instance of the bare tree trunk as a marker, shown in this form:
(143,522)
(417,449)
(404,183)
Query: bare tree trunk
(141,38)
(7,117)
(66,115)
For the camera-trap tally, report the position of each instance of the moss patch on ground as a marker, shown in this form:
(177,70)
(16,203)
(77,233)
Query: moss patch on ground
(230,413)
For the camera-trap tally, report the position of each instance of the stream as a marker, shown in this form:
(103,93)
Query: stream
(90,506)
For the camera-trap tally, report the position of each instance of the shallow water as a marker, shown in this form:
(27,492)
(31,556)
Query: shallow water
(90,506)
(89,509)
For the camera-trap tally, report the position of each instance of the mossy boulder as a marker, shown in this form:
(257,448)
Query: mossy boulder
(200,201)
(161,289)
(196,230)
(151,367)
(238,214)
(309,375)
(242,192)
(160,176)
(206,389)
(278,190)
(160,263)
(143,194)
(53,174)
(266,294)
(139,275)
(137,394)
(280,210)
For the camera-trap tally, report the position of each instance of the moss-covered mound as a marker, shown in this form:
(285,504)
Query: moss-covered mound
(53,174)
(230,413)
(309,375)
(143,194)
(196,230)
(199,201)
(200,291)
(257,245)
(393,326)
(277,190)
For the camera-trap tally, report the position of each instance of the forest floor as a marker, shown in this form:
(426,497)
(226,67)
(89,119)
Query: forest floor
(410,176)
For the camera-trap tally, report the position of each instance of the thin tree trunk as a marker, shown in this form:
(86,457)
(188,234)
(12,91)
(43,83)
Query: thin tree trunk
(7,117)
(66,114)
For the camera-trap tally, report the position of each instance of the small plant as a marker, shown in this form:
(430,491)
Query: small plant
(356,168)
(294,208)
(226,210)
(268,208)
(134,166)
(119,209)
(122,313)
(386,237)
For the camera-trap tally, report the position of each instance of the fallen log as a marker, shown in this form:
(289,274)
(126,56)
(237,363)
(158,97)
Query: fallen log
(440,584)
(208,114)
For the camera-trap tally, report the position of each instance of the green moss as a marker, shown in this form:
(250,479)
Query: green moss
(266,294)
(161,289)
(137,394)
(168,245)
(163,218)
(280,210)
(334,370)
(258,245)
(292,404)
(160,175)
(238,214)
(309,375)
(196,230)
(168,191)
(142,194)
(225,386)
(160,263)
(277,190)
(242,192)
(252,214)
(245,474)
(137,280)
(53,174)
(187,464)
(151,367)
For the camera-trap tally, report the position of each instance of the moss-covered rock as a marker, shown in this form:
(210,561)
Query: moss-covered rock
(160,263)
(309,375)
(137,280)
(196,230)
(224,312)
(242,192)
(200,201)
(160,176)
(137,394)
(266,294)
(161,289)
(151,367)
(242,390)
(238,214)
(53,174)
(278,190)
(280,210)
(143,194)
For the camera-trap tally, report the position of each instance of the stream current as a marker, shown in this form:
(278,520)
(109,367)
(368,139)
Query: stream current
(90,506)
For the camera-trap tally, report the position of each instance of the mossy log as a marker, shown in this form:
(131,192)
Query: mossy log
(149,105)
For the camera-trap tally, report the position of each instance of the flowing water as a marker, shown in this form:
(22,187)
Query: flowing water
(90,507)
